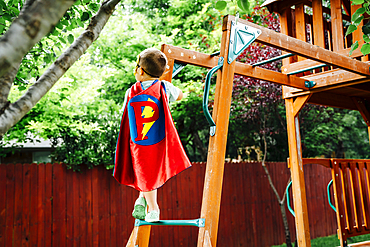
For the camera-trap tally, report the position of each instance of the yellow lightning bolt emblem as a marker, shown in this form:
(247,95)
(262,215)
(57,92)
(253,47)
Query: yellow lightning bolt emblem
(147,113)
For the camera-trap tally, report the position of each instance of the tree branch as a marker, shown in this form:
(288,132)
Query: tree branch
(18,109)
(28,29)
(26,6)
(6,82)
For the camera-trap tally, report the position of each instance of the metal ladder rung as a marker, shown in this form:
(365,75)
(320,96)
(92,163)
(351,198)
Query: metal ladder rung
(196,222)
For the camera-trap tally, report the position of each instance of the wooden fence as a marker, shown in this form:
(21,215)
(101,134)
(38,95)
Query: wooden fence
(48,205)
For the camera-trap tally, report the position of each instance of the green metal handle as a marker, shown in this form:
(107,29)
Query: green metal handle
(329,198)
(288,199)
(206,95)
(197,222)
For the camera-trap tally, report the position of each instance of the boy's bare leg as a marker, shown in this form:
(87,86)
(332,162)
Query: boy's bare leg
(151,199)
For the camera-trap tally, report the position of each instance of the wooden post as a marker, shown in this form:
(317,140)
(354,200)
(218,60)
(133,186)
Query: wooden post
(139,236)
(285,28)
(337,25)
(296,167)
(217,145)
(318,23)
(300,25)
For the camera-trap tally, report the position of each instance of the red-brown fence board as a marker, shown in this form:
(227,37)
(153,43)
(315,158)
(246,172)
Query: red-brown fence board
(17,230)
(48,205)
(25,225)
(32,238)
(41,187)
(2,207)
(48,217)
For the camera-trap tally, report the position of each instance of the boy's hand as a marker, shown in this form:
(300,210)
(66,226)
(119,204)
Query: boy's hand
(181,95)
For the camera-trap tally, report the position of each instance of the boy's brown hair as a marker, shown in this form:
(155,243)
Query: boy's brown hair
(153,62)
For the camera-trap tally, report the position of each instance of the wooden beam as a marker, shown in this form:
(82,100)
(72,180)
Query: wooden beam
(299,103)
(167,74)
(204,60)
(337,24)
(364,109)
(301,48)
(328,80)
(269,75)
(332,100)
(318,23)
(310,63)
(211,200)
(299,189)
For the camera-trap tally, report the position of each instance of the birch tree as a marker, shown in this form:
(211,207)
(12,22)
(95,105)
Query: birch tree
(36,19)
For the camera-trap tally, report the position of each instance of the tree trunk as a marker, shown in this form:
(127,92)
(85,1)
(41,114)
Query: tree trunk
(281,201)
(28,29)
(286,225)
(22,106)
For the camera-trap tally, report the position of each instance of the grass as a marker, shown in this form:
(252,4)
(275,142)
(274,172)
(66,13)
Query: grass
(331,241)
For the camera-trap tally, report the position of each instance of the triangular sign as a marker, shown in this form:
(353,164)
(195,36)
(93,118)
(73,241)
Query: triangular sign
(242,39)
(241,36)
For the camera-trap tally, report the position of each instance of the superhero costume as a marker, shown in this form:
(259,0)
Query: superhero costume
(149,150)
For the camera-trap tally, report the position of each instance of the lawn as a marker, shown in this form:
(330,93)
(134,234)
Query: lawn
(331,241)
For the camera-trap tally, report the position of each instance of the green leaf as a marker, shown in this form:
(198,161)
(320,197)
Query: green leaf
(366,29)
(85,16)
(2,27)
(59,25)
(357,2)
(22,87)
(365,49)
(62,40)
(243,5)
(79,22)
(351,29)
(366,38)
(358,20)
(73,24)
(220,5)
(70,38)
(55,32)
(3,4)
(366,6)
(354,46)
(15,10)
(7,17)
(94,6)
(358,13)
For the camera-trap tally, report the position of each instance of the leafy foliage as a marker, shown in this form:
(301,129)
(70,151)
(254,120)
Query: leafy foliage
(356,20)
(82,114)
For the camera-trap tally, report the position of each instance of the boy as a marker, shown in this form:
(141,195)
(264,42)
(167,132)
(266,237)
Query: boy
(149,150)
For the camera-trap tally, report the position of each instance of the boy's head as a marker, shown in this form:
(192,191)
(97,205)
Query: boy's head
(153,62)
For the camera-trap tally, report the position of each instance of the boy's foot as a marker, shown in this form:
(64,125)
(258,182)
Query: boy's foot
(139,208)
(152,216)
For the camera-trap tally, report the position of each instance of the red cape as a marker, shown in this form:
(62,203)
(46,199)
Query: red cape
(149,150)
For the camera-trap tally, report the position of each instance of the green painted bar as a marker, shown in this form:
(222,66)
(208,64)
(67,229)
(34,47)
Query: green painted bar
(273,59)
(215,53)
(307,69)
(196,222)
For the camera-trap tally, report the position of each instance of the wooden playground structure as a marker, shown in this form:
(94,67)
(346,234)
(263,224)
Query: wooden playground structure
(316,69)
